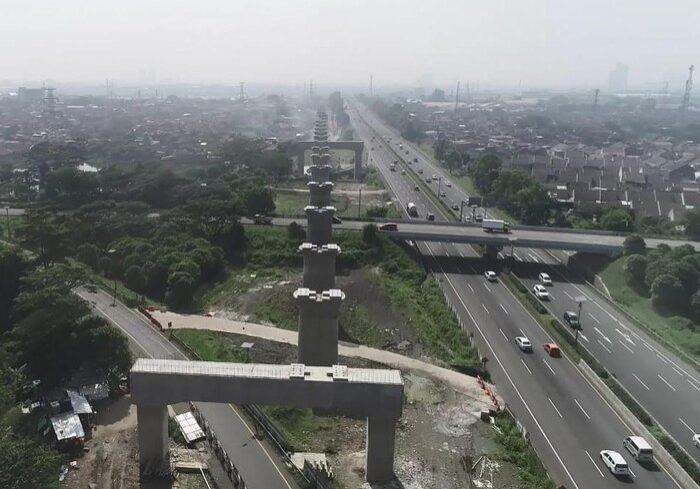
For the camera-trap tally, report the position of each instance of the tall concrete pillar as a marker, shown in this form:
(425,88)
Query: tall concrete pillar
(318,326)
(153,439)
(325,159)
(315,159)
(379,462)
(319,228)
(319,265)
(358,164)
(321,173)
(320,193)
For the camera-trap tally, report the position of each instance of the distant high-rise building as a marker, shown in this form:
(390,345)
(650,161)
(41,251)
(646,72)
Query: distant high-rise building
(30,95)
(617,78)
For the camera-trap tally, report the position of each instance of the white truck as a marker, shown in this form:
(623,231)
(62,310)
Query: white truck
(497,225)
(412,209)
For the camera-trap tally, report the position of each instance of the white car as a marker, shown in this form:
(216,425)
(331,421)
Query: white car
(696,440)
(448,184)
(540,292)
(435,177)
(490,275)
(523,343)
(614,462)
(545,279)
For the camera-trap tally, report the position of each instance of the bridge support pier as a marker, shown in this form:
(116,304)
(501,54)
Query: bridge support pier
(318,326)
(153,439)
(379,464)
(491,251)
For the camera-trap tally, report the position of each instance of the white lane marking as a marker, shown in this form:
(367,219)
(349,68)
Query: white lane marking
(555,408)
(551,297)
(686,425)
(510,379)
(517,257)
(583,337)
(470,287)
(696,387)
(594,318)
(487,287)
(461,254)
(677,371)
(504,335)
(581,408)
(662,359)
(647,345)
(601,334)
(630,471)
(534,258)
(487,311)
(666,382)
(521,331)
(504,309)
(525,365)
(606,348)
(623,344)
(625,336)
(568,295)
(548,366)
(640,381)
(594,464)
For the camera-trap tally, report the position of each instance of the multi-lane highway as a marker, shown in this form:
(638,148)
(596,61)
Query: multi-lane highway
(260,466)
(663,383)
(569,423)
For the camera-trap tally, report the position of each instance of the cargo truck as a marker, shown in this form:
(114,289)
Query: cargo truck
(412,209)
(495,225)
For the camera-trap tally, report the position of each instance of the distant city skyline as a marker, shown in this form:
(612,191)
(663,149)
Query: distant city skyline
(530,43)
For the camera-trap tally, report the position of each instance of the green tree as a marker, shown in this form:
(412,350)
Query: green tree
(180,289)
(440,147)
(691,220)
(635,270)
(47,234)
(135,278)
(695,303)
(485,171)
(296,232)
(634,245)
(89,254)
(370,234)
(259,200)
(667,293)
(26,464)
(13,266)
(616,219)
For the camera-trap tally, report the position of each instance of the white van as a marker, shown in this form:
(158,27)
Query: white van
(639,448)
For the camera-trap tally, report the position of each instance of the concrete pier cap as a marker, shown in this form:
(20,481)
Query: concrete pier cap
(320,173)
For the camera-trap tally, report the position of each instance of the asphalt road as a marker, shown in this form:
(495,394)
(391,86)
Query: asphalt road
(259,465)
(568,422)
(667,386)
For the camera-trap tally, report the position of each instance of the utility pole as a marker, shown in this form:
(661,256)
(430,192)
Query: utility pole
(359,205)
(580,299)
(688,88)
(371,90)
(7,213)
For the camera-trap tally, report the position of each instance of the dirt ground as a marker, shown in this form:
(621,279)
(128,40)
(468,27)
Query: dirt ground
(111,461)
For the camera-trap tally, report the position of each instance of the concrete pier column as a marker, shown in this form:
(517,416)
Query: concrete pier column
(320,193)
(325,159)
(321,173)
(358,164)
(319,265)
(379,462)
(315,159)
(318,326)
(326,150)
(319,227)
(153,439)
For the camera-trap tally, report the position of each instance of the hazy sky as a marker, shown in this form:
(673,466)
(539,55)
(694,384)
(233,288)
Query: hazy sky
(555,43)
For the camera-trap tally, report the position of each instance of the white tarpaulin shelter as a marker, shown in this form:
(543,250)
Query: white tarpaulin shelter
(189,427)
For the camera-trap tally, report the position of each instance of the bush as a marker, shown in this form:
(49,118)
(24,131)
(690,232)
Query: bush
(681,457)
(535,302)
(629,401)
(635,269)
(667,292)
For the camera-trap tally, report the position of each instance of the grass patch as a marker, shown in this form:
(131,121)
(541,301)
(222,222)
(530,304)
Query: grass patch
(212,346)
(356,322)
(670,330)
(302,429)
(515,450)
(278,308)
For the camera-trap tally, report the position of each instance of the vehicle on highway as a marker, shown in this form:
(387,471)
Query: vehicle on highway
(639,448)
(415,160)
(435,177)
(406,151)
(614,462)
(540,292)
(478,218)
(416,188)
(392,167)
(490,275)
(443,194)
(552,350)
(260,219)
(403,172)
(427,180)
(467,218)
(412,209)
(523,343)
(448,184)
(545,279)
(696,440)
(455,207)
(389,226)
(571,318)
(430,216)
(494,225)
(372,148)
(420,171)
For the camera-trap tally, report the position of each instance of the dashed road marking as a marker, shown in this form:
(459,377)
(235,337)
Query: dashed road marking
(628,348)
(640,381)
(487,311)
(504,309)
(555,408)
(666,382)
(549,367)
(525,365)
(504,335)
(581,408)
(594,464)
(606,348)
